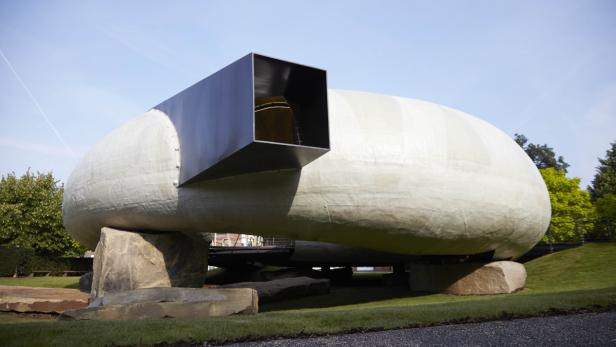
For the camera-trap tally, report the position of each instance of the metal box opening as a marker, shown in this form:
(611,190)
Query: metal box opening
(290,103)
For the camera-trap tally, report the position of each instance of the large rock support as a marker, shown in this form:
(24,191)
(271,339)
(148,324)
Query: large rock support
(130,260)
(498,277)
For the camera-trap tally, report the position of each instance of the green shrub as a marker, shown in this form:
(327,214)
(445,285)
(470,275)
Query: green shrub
(15,260)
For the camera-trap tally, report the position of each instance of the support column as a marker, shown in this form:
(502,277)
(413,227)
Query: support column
(127,260)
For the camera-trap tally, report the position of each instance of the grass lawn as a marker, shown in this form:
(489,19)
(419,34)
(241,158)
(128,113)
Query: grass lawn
(577,279)
(49,282)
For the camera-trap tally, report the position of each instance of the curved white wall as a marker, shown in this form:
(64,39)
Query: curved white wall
(403,176)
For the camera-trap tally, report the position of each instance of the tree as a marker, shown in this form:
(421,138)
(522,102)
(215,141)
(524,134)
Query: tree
(606,207)
(603,193)
(572,210)
(604,181)
(31,215)
(542,155)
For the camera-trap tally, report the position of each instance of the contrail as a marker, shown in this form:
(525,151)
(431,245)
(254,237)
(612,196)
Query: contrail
(38,106)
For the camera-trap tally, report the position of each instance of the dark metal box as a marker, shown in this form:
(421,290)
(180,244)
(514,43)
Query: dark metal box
(257,114)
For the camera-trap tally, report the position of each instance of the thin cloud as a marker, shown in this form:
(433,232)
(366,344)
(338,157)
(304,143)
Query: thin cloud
(39,148)
(603,112)
(153,50)
(37,105)
(549,92)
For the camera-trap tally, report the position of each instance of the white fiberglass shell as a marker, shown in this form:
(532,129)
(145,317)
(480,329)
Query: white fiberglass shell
(404,176)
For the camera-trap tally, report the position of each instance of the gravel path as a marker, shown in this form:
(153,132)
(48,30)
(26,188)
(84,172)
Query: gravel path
(590,329)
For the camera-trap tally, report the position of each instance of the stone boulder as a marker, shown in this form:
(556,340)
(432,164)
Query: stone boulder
(85,282)
(271,275)
(126,260)
(498,277)
(285,288)
(41,300)
(155,303)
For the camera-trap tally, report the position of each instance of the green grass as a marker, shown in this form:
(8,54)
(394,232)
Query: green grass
(9,318)
(48,282)
(581,278)
(588,267)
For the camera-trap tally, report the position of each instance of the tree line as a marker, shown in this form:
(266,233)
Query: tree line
(576,213)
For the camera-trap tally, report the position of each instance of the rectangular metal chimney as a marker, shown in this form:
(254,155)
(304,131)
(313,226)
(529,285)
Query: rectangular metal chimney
(257,114)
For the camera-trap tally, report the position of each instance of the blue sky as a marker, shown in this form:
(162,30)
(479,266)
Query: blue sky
(78,69)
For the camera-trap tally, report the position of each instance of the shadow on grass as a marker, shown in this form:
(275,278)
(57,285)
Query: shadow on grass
(72,286)
(363,288)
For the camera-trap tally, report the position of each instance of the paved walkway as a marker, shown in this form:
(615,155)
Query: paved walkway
(591,329)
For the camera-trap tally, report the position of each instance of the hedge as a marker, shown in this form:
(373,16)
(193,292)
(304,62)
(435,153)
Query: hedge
(58,265)
(15,261)
(22,261)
